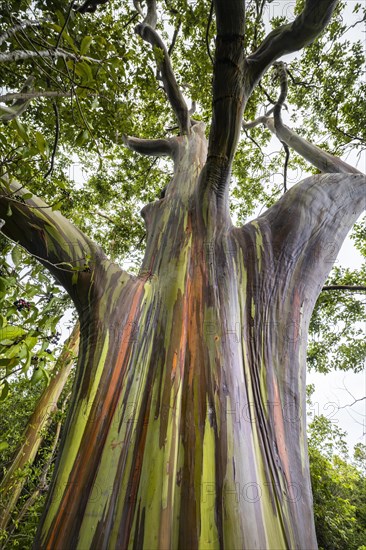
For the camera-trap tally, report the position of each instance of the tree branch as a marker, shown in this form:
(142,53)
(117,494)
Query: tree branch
(207,35)
(32,95)
(353,403)
(57,135)
(152,147)
(68,254)
(354,288)
(20,105)
(147,31)
(291,37)
(228,91)
(174,39)
(322,160)
(19,26)
(20,55)
(307,227)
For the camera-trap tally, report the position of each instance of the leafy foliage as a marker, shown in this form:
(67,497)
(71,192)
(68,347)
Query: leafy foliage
(339,488)
(31,307)
(337,336)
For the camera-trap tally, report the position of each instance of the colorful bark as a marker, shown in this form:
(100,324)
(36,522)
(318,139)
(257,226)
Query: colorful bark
(187,428)
(12,484)
(187,424)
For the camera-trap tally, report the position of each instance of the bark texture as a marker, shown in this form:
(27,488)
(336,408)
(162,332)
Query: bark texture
(187,428)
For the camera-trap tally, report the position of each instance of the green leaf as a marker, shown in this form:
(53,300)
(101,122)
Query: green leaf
(10,333)
(5,390)
(84,71)
(41,143)
(3,284)
(74,279)
(37,375)
(57,206)
(3,445)
(85,44)
(16,256)
(27,196)
(82,137)
(20,129)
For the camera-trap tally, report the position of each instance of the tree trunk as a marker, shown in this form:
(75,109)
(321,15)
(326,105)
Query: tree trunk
(187,426)
(12,484)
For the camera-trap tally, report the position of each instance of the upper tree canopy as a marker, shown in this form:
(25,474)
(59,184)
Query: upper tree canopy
(102,70)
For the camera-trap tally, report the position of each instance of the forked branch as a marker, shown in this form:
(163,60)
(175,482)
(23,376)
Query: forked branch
(291,37)
(325,162)
(147,31)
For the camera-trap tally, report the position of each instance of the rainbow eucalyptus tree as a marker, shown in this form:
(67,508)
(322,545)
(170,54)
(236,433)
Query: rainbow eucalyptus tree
(187,424)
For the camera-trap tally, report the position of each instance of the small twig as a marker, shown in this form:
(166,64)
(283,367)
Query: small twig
(287,152)
(349,135)
(57,135)
(19,55)
(354,288)
(65,24)
(32,95)
(209,21)
(264,91)
(354,402)
(17,28)
(252,140)
(174,39)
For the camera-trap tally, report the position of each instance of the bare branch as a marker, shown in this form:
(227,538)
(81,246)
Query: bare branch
(307,227)
(32,95)
(291,37)
(354,288)
(20,26)
(57,135)
(287,157)
(175,36)
(20,105)
(151,17)
(322,160)
(325,162)
(207,36)
(152,147)
(65,24)
(260,120)
(20,55)
(353,403)
(228,92)
(193,108)
(175,96)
